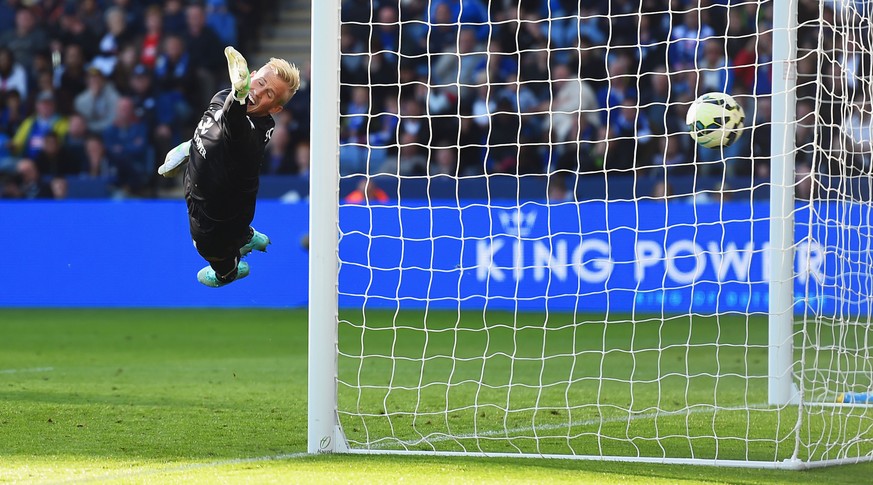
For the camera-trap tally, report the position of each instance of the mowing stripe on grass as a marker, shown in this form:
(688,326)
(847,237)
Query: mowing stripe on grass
(21,371)
(548,427)
(484,434)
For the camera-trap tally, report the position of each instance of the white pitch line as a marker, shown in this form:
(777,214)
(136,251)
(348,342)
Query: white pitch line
(22,371)
(187,467)
(548,427)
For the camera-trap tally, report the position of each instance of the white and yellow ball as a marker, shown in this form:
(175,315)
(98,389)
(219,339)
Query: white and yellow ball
(715,120)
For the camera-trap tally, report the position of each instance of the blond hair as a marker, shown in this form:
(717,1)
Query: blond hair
(288,73)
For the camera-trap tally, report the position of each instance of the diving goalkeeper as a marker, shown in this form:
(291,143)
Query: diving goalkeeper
(223,161)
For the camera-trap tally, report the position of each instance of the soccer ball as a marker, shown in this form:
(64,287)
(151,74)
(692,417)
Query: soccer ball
(715,120)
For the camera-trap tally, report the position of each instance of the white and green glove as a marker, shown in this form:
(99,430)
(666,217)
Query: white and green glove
(175,160)
(240,77)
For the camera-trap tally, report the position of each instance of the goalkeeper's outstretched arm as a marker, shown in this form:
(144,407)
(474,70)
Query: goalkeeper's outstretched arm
(235,108)
(175,160)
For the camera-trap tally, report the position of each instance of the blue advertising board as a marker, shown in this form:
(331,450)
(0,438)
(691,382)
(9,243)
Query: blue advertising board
(594,256)
(138,254)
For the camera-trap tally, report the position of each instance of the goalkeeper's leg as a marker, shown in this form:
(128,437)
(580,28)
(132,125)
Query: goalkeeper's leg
(240,77)
(175,160)
(222,272)
(257,240)
(225,265)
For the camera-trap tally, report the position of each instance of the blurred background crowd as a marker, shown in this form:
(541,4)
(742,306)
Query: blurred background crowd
(93,93)
(561,87)
(96,91)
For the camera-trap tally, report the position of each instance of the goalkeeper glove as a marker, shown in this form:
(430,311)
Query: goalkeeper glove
(175,160)
(240,77)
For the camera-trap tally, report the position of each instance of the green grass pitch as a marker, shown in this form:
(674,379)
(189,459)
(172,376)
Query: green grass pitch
(206,396)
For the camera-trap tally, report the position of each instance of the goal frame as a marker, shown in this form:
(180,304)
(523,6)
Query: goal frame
(324,432)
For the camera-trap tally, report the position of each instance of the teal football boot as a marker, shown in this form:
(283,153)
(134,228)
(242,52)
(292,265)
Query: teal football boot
(258,241)
(208,277)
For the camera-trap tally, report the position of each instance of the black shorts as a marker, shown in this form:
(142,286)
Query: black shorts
(216,240)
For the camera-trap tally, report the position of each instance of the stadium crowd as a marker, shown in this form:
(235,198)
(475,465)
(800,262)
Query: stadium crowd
(466,87)
(99,90)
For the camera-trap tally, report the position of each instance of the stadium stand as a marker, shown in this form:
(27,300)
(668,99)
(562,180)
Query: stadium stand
(93,93)
(159,55)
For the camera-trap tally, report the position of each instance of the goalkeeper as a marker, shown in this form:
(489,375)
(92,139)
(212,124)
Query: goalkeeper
(222,162)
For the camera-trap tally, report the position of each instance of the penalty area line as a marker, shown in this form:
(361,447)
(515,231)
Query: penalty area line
(22,371)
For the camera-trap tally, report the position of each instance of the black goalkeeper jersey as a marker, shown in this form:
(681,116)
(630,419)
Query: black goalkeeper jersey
(227,150)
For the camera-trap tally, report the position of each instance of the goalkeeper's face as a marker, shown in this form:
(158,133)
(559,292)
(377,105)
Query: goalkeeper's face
(266,93)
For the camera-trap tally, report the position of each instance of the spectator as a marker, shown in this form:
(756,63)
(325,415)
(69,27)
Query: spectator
(222,21)
(143,96)
(12,113)
(123,72)
(279,158)
(650,42)
(686,41)
(73,144)
(383,125)
(127,146)
(300,108)
(52,161)
(151,41)
(98,165)
(59,187)
(26,40)
(117,34)
(386,32)
(354,67)
(573,99)
(445,162)
(92,15)
(661,190)
(175,78)
(746,62)
(249,14)
(205,49)
(98,102)
(410,159)
(70,78)
(469,12)
(803,182)
(622,84)
(557,192)
(301,158)
(443,29)
(367,192)
(353,132)
(74,31)
(42,78)
(133,15)
(630,138)
(672,156)
(7,14)
(29,137)
(461,67)
(661,112)
(32,186)
(12,75)
(715,71)
(11,186)
(174,16)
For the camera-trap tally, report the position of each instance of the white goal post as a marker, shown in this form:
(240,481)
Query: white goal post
(517,250)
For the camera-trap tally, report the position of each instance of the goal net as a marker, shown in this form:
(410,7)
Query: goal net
(516,248)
